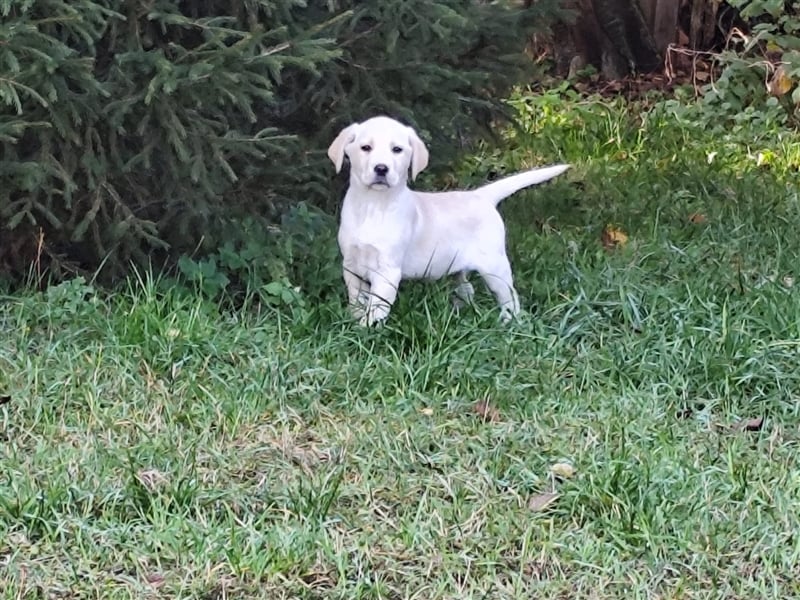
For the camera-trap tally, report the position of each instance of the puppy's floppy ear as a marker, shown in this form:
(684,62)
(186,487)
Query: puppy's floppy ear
(336,149)
(419,153)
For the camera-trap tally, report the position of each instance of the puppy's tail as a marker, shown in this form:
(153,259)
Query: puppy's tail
(498,190)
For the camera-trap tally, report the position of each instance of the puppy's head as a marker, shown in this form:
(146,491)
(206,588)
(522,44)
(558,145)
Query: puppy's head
(381,151)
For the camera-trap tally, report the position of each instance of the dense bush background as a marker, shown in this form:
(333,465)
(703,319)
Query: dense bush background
(144,131)
(192,134)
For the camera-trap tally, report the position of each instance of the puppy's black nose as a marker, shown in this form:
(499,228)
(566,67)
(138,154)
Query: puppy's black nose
(381,170)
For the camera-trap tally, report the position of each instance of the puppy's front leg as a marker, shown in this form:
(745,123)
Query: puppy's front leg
(382,294)
(357,291)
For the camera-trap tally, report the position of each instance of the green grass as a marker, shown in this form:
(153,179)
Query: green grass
(156,445)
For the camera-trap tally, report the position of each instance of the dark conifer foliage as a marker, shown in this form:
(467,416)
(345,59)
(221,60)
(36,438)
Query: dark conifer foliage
(134,131)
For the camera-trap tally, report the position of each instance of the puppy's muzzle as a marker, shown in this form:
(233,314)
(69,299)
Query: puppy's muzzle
(381,171)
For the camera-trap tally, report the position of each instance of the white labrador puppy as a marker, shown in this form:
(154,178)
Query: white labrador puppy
(389,232)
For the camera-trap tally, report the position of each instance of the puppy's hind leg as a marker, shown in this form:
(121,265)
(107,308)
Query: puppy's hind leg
(464,292)
(500,281)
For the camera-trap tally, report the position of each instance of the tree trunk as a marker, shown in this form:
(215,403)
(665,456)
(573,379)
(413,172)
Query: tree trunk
(625,26)
(702,28)
(618,36)
(579,43)
(665,24)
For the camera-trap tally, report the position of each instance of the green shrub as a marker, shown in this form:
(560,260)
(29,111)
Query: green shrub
(302,248)
(760,78)
(143,131)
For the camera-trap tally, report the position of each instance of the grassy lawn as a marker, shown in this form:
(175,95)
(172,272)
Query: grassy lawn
(634,435)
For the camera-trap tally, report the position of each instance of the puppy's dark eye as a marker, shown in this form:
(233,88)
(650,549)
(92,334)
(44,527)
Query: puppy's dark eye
(397,149)
(366,148)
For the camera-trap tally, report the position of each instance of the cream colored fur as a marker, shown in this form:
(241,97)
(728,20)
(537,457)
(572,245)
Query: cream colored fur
(389,232)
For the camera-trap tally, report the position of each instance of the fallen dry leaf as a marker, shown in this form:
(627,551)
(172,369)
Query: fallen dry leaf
(486,411)
(564,470)
(702,75)
(427,411)
(152,478)
(613,237)
(697,218)
(772,46)
(753,424)
(540,502)
(780,83)
(155,579)
(319,578)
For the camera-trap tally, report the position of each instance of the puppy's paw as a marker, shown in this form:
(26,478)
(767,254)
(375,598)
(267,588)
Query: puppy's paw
(463,295)
(375,315)
(358,311)
(508,315)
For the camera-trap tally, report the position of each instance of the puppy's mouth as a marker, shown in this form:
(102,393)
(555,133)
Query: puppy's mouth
(379,182)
